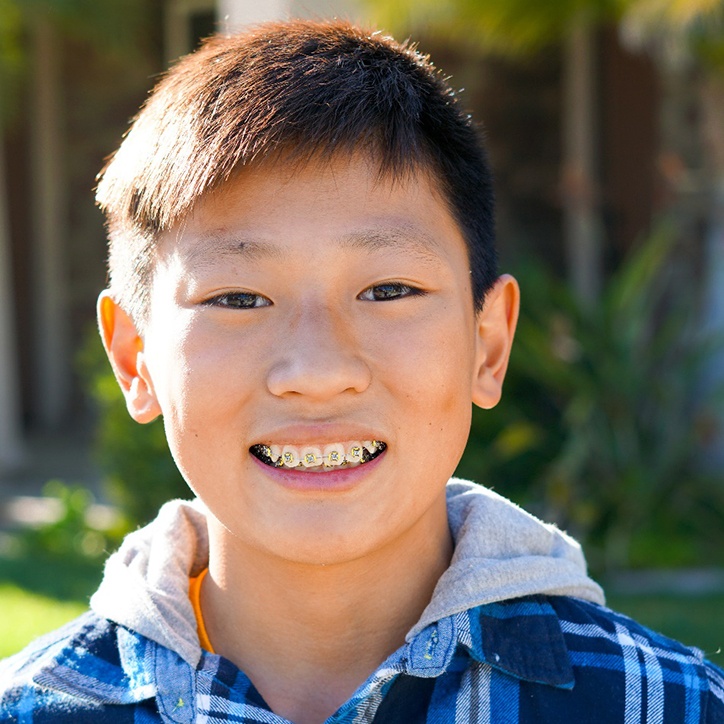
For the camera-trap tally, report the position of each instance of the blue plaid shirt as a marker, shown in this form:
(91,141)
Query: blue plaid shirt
(536,659)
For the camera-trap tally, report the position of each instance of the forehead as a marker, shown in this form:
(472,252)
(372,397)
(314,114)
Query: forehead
(266,209)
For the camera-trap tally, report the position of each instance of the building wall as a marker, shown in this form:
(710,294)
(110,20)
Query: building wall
(518,104)
(76,100)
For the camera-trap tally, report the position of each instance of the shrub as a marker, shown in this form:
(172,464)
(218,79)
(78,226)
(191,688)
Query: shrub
(76,533)
(139,471)
(600,427)
(605,417)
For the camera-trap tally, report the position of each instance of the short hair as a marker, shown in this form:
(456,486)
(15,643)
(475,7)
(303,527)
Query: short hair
(297,90)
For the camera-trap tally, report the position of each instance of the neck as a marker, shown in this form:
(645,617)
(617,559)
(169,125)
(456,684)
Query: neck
(308,635)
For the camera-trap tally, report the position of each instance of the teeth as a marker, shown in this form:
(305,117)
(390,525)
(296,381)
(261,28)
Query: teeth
(290,458)
(354,454)
(311,457)
(334,454)
(350,454)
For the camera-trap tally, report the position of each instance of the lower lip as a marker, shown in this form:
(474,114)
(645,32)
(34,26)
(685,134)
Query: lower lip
(330,481)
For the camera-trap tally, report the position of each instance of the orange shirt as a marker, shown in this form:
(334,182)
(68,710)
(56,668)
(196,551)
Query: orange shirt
(195,596)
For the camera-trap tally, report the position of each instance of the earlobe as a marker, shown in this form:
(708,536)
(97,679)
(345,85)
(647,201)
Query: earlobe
(124,347)
(495,329)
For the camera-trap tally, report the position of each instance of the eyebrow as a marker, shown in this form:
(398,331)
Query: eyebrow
(407,237)
(411,239)
(213,245)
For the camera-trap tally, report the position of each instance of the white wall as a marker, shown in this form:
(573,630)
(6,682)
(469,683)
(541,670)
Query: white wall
(236,14)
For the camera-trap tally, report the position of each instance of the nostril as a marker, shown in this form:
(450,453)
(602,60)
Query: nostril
(319,376)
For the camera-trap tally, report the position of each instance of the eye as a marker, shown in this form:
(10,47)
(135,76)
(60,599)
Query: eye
(388,291)
(238,300)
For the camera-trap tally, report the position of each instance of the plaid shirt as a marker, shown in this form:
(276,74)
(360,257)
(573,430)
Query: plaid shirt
(535,659)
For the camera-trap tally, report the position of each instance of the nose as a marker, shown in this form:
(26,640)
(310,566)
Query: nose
(319,356)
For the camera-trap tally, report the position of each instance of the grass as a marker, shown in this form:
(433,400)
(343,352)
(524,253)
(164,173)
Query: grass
(67,578)
(37,595)
(693,620)
(27,615)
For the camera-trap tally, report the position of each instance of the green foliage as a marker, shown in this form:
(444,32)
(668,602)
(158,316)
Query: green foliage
(600,426)
(606,416)
(27,615)
(695,620)
(48,572)
(66,578)
(521,27)
(113,25)
(118,27)
(73,534)
(11,57)
(139,470)
(513,27)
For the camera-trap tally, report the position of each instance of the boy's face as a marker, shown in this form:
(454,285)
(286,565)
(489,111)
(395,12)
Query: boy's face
(314,311)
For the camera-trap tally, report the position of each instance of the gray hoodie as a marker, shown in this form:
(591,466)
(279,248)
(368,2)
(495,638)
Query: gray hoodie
(501,552)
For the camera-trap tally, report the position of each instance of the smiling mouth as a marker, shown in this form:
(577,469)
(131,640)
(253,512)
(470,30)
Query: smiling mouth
(314,458)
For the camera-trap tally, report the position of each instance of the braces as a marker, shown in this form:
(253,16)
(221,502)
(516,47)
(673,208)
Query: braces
(356,454)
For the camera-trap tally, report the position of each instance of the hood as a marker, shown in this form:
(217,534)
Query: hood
(501,552)
(145,582)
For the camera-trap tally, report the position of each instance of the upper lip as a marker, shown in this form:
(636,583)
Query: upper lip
(318,434)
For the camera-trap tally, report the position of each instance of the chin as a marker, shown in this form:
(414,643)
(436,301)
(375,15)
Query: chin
(322,542)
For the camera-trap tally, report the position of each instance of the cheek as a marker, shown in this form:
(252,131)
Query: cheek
(204,377)
(433,357)
(430,365)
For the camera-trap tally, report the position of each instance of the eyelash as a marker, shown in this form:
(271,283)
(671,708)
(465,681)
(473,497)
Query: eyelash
(231,300)
(249,300)
(398,289)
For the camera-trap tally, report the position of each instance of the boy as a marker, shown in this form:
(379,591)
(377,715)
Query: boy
(303,284)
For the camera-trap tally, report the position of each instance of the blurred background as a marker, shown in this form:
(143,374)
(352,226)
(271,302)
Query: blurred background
(605,124)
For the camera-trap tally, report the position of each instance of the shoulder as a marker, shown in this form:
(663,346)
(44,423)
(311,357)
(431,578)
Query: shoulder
(648,668)
(71,675)
(43,649)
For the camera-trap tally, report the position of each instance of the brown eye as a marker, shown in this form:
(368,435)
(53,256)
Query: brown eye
(389,291)
(238,300)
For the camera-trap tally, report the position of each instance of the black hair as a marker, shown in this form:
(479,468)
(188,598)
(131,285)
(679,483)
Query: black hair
(297,89)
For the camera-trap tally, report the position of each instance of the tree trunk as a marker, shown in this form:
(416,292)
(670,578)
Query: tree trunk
(52,371)
(581,208)
(11,449)
(712,105)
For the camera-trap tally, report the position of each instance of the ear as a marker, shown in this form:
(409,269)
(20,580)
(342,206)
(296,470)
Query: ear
(495,327)
(124,347)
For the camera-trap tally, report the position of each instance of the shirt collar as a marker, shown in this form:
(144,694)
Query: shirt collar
(103,663)
(112,665)
(521,637)
(108,664)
